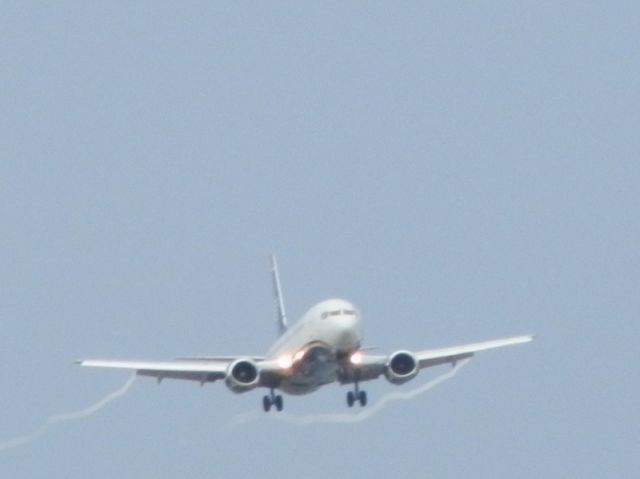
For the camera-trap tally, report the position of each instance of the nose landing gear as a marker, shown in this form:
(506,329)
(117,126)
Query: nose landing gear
(272,400)
(356,396)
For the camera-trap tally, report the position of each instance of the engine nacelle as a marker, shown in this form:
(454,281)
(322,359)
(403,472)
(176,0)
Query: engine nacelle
(242,375)
(401,367)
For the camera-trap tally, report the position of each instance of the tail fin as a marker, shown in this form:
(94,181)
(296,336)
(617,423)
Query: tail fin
(278,299)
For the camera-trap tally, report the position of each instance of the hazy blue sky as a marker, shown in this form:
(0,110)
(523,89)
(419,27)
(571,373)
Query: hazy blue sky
(459,170)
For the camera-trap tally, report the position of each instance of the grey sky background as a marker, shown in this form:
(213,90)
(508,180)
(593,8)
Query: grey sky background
(459,170)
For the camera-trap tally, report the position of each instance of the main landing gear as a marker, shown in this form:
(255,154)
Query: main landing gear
(272,400)
(356,396)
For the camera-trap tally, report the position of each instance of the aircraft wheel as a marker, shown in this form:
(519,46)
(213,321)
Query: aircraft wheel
(362,397)
(278,402)
(266,403)
(351,398)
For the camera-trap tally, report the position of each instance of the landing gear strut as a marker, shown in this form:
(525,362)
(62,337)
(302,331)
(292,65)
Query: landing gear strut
(356,396)
(272,400)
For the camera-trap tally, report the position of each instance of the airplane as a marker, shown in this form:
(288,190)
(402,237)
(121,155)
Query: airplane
(323,347)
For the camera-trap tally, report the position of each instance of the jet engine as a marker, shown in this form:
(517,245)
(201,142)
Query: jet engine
(242,375)
(401,367)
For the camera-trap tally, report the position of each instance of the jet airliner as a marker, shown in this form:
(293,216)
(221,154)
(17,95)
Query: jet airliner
(323,347)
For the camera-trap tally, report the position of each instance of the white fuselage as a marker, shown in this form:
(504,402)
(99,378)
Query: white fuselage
(313,348)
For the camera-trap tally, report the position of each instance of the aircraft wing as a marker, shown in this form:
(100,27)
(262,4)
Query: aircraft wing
(373,366)
(434,357)
(202,370)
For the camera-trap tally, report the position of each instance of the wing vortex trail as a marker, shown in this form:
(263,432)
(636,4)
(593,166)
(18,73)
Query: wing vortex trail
(344,418)
(70,416)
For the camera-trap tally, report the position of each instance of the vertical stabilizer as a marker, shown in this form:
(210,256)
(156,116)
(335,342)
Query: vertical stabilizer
(278,299)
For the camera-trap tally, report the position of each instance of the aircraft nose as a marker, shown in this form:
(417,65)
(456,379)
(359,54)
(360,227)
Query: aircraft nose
(348,329)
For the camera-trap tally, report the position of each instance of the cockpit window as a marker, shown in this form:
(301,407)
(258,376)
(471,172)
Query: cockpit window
(338,312)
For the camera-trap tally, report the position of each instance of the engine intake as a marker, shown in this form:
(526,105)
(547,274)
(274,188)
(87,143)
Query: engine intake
(242,375)
(402,366)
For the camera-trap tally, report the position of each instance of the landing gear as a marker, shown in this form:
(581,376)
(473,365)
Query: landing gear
(272,400)
(351,398)
(356,396)
(278,403)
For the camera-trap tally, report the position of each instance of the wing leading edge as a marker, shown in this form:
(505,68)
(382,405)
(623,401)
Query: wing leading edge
(202,370)
(434,357)
(373,366)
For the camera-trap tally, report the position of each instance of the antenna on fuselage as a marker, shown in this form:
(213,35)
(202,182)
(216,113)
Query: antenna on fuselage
(278,299)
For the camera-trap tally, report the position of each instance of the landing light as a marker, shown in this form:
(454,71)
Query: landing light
(356,358)
(298,355)
(285,361)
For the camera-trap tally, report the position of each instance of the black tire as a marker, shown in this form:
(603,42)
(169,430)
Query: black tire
(362,397)
(266,403)
(279,403)
(351,398)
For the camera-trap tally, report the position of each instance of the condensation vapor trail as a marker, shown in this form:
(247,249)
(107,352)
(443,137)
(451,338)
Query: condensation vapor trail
(58,418)
(344,418)
(369,412)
